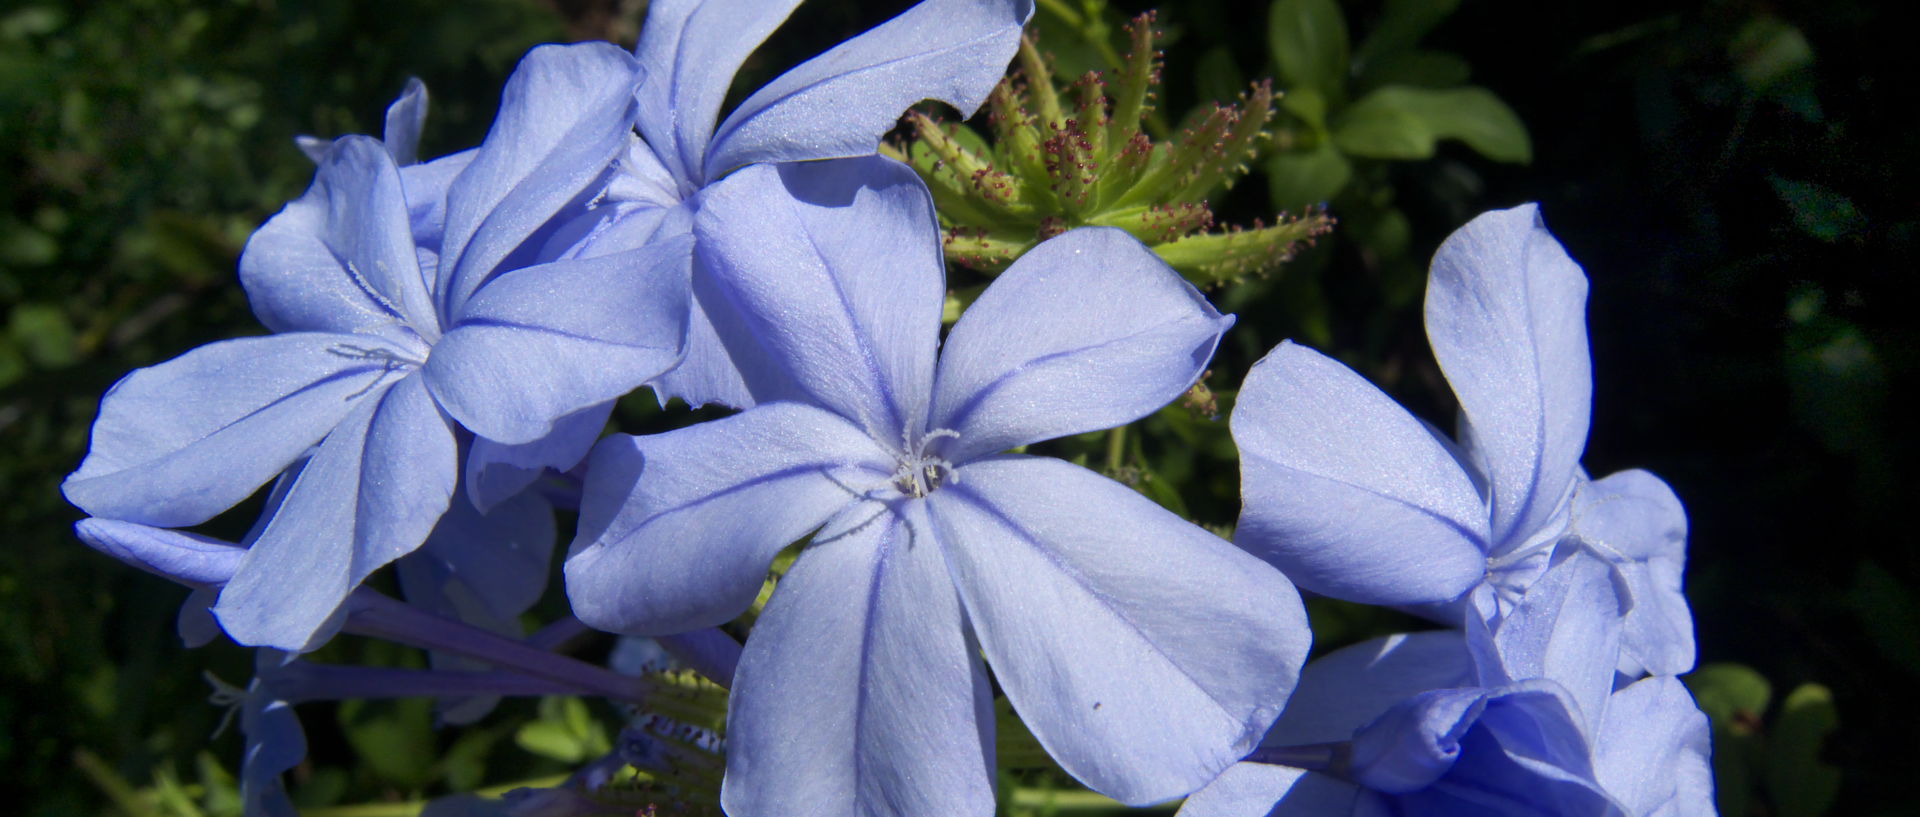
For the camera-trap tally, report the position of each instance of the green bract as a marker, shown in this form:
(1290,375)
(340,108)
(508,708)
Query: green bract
(1080,157)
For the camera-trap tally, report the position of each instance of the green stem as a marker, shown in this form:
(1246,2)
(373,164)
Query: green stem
(1116,449)
(410,808)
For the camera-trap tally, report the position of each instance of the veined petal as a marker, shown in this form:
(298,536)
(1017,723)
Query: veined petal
(370,495)
(1344,690)
(708,373)
(674,537)
(1347,493)
(405,117)
(497,471)
(427,185)
(1565,629)
(176,443)
(1089,330)
(340,258)
(538,343)
(840,103)
(1146,654)
(898,717)
(1506,313)
(182,556)
(830,272)
(1632,519)
(1652,750)
(566,114)
(690,50)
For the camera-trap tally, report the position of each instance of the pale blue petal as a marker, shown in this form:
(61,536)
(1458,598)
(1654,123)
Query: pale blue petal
(707,375)
(1506,313)
(195,623)
(1632,519)
(633,212)
(405,117)
(1565,629)
(499,558)
(340,258)
(1346,492)
(565,116)
(482,569)
(176,443)
(1416,741)
(677,529)
(690,50)
(640,178)
(607,229)
(840,103)
(1087,331)
(1525,757)
(314,147)
(370,495)
(898,716)
(830,273)
(496,471)
(1146,654)
(427,185)
(1261,790)
(1653,748)
(1346,689)
(188,558)
(275,744)
(539,343)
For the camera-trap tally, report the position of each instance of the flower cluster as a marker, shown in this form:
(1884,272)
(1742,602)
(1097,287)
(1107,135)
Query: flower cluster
(449,337)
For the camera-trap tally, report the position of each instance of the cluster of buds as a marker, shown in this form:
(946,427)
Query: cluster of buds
(1084,158)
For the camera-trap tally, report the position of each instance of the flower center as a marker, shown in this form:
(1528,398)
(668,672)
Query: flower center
(917,470)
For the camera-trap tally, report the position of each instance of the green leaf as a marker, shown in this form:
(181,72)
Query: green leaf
(1768,50)
(566,731)
(1308,39)
(1801,785)
(1819,211)
(1309,105)
(1888,612)
(1730,694)
(1399,122)
(42,331)
(1298,179)
(393,738)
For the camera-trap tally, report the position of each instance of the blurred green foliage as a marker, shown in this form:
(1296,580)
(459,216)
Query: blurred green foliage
(1736,177)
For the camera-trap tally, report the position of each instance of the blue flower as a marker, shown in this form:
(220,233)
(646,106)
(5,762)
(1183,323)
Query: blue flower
(836,105)
(409,303)
(1144,653)
(1515,717)
(1355,498)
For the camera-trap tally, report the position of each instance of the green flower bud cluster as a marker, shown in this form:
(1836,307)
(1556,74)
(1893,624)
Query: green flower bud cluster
(1081,156)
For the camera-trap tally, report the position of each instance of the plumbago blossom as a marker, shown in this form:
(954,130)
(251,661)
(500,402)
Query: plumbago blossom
(835,105)
(1517,716)
(1144,653)
(1566,590)
(416,313)
(1353,497)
